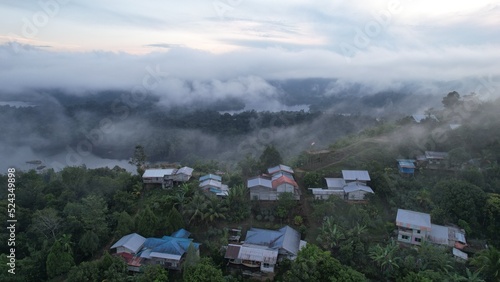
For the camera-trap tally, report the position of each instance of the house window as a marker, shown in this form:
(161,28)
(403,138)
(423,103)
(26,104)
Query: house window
(405,237)
(266,265)
(418,231)
(255,197)
(418,240)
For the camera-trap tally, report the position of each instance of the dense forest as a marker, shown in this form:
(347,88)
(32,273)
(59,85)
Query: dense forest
(67,220)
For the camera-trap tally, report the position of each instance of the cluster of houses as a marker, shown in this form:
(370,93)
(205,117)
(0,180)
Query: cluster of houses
(167,177)
(168,251)
(268,187)
(430,160)
(416,227)
(353,186)
(262,248)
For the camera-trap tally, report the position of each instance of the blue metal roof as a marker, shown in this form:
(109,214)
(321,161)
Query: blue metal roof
(286,238)
(181,233)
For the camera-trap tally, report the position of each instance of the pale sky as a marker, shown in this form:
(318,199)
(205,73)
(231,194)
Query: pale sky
(78,42)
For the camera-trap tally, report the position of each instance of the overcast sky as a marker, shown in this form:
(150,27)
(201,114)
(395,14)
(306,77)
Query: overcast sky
(92,44)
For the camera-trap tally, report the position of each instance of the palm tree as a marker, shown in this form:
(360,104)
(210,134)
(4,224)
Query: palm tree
(196,207)
(488,263)
(215,209)
(66,243)
(385,257)
(180,198)
(330,234)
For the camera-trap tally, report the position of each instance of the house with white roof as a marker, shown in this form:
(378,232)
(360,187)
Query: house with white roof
(215,187)
(413,227)
(356,175)
(356,191)
(183,174)
(348,189)
(269,187)
(167,176)
(280,168)
(263,248)
(131,243)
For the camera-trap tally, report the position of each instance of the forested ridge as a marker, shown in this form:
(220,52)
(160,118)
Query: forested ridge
(68,219)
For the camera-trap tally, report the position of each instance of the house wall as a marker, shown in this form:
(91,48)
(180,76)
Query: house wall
(167,263)
(269,268)
(158,180)
(356,196)
(412,236)
(260,193)
(182,177)
(285,187)
(123,250)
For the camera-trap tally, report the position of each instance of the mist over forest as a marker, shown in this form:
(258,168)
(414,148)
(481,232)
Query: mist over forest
(222,120)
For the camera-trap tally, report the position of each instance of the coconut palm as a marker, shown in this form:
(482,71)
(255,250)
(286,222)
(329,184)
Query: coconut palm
(385,257)
(196,207)
(330,234)
(488,263)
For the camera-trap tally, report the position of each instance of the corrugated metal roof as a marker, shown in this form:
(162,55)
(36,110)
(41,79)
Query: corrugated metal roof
(361,175)
(439,234)
(460,254)
(321,191)
(460,237)
(259,181)
(435,155)
(211,176)
(232,251)
(286,238)
(406,164)
(132,242)
(185,170)
(282,180)
(291,239)
(335,183)
(278,168)
(357,186)
(413,219)
(158,172)
(165,256)
(258,254)
(282,173)
(181,233)
(211,183)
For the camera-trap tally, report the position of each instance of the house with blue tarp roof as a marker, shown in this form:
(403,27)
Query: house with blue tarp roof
(168,251)
(406,166)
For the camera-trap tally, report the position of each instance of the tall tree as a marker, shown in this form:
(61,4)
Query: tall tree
(460,200)
(146,222)
(175,220)
(125,224)
(89,243)
(451,100)
(58,262)
(139,159)
(269,158)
